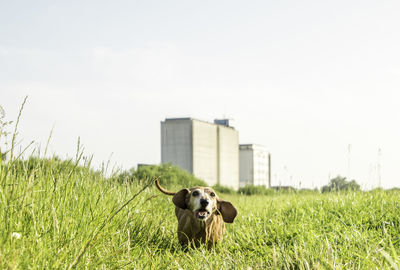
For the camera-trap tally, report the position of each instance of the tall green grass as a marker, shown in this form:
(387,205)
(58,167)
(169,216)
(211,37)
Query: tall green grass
(58,215)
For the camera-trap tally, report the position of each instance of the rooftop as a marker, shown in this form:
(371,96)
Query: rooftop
(194,119)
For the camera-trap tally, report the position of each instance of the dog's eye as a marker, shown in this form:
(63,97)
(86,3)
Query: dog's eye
(195,193)
(212,194)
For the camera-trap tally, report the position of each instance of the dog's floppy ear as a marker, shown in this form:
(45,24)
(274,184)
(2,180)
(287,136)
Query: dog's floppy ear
(227,210)
(179,198)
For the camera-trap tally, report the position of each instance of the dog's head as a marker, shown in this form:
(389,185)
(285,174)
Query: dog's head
(204,202)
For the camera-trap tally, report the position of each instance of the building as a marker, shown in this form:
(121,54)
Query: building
(255,164)
(210,151)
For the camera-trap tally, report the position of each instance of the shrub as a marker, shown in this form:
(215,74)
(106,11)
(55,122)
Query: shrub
(255,190)
(340,184)
(307,191)
(223,189)
(36,167)
(168,175)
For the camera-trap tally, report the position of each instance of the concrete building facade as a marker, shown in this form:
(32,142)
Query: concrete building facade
(207,150)
(254,165)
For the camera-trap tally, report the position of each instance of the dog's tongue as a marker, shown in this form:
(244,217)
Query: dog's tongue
(201,213)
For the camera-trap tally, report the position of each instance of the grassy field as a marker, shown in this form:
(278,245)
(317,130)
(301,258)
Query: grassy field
(57,215)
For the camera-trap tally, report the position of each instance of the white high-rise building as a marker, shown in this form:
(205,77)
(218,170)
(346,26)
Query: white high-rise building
(254,165)
(210,151)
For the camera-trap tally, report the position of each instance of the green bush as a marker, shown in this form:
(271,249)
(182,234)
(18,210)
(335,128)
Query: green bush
(49,167)
(340,184)
(223,189)
(305,191)
(255,190)
(168,175)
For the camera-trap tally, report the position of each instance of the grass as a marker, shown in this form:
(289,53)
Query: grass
(58,215)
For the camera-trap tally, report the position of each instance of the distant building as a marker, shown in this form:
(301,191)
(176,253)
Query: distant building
(254,165)
(207,150)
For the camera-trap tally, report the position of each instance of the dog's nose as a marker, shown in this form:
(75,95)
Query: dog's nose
(203,202)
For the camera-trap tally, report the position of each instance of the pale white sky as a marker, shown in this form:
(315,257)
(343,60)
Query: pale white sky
(304,78)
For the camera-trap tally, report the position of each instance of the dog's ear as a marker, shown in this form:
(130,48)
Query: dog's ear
(227,210)
(179,198)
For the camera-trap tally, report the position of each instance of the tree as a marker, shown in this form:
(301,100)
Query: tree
(168,175)
(339,183)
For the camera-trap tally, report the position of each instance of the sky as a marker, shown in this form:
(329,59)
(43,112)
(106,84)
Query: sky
(316,82)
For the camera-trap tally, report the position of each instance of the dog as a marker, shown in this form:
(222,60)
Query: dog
(201,215)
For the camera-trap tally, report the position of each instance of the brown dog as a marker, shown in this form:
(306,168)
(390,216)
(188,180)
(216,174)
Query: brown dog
(201,215)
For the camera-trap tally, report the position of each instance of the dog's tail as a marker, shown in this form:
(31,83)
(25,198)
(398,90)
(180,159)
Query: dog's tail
(160,188)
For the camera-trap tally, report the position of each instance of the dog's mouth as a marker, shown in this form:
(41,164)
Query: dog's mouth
(201,213)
